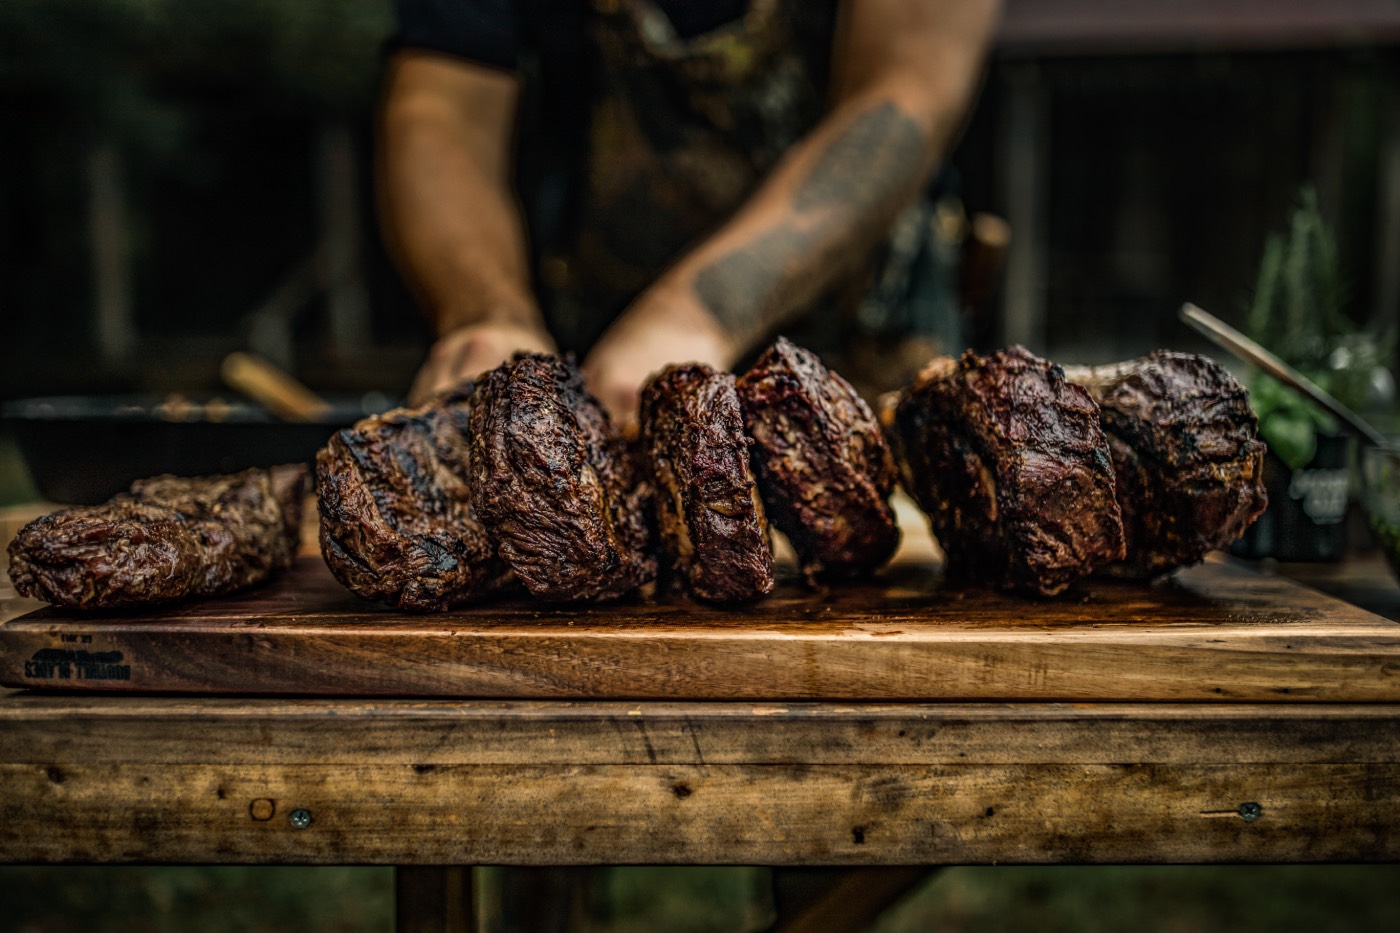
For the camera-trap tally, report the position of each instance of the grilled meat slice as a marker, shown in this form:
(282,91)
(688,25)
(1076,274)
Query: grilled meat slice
(822,463)
(709,514)
(1011,465)
(554,487)
(1185,450)
(397,523)
(167,538)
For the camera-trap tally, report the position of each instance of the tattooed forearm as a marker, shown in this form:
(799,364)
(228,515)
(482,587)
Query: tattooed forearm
(867,164)
(743,288)
(836,213)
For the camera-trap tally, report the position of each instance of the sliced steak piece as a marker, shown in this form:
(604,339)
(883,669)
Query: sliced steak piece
(1011,465)
(167,538)
(1187,456)
(711,519)
(823,465)
(554,486)
(397,523)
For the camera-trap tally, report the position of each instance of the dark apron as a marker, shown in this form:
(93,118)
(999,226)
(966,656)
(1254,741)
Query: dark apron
(683,131)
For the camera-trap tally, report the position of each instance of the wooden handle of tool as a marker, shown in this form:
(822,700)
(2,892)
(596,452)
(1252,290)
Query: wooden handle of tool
(273,388)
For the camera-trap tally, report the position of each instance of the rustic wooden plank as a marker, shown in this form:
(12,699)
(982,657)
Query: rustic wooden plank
(415,735)
(692,814)
(1216,632)
(133,779)
(1363,580)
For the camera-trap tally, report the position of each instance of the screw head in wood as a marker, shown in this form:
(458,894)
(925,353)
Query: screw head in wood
(1249,812)
(300,818)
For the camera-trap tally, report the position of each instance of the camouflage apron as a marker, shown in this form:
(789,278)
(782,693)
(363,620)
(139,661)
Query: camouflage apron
(682,133)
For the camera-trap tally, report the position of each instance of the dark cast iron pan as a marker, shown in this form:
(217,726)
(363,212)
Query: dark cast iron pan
(86,449)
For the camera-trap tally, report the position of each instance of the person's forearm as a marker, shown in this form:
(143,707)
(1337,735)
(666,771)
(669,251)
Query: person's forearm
(837,192)
(449,214)
(818,215)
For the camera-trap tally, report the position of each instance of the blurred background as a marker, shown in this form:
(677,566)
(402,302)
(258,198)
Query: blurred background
(181,179)
(185,178)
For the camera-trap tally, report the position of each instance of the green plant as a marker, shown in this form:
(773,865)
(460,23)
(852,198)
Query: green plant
(1299,312)
(1380,481)
(1288,422)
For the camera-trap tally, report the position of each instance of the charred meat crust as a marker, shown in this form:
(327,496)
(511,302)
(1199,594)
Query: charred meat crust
(554,487)
(822,463)
(1010,463)
(167,538)
(1186,453)
(712,525)
(397,523)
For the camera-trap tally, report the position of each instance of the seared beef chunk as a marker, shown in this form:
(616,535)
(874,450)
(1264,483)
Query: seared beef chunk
(1189,465)
(167,538)
(397,523)
(1008,460)
(711,519)
(822,463)
(554,487)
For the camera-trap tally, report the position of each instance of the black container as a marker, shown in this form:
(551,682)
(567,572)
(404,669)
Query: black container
(1306,517)
(84,450)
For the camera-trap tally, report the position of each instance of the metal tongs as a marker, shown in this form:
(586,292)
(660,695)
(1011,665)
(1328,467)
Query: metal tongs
(1223,335)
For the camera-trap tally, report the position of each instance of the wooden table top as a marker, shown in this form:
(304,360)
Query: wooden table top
(101,778)
(1217,632)
(411,782)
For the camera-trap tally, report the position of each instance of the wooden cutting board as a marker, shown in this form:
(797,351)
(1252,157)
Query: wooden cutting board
(1219,631)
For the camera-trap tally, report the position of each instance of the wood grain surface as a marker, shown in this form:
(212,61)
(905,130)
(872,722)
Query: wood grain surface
(1217,632)
(135,779)
(418,781)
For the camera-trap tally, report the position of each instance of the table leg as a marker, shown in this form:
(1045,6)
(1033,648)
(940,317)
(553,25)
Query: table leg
(433,900)
(552,899)
(838,900)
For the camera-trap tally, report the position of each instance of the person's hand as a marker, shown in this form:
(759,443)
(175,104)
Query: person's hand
(469,351)
(662,326)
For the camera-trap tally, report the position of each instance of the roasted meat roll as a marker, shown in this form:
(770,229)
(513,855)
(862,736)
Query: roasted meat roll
(1186,454)
(1008,459)
(397,523)
(822,463)
(555,487)
(712,525)
(167,538)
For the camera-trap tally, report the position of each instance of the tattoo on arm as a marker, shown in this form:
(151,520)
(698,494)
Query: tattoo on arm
(866,164)
(857,181)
